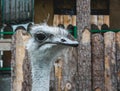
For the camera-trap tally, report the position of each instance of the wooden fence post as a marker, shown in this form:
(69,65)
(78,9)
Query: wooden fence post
(118,59)
(110,62)
(18,54)
(84,62)
(98,62)
(84,48)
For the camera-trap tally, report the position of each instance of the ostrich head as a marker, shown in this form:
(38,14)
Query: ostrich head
(48,40)
(44,46)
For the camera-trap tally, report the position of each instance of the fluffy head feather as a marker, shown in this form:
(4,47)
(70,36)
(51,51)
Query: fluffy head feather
(46,38)
(44,34)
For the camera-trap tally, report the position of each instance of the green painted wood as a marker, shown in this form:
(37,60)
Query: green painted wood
(7,33)
(5,69)
(103,31)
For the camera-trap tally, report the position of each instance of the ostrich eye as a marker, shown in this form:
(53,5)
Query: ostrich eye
(40,37)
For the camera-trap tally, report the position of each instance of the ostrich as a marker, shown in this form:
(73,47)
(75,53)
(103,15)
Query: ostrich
(44,46)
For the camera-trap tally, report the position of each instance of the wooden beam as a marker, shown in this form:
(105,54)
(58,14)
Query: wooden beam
(84,62)
(84,48)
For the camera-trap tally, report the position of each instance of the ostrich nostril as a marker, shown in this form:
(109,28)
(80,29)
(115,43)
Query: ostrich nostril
(63,40)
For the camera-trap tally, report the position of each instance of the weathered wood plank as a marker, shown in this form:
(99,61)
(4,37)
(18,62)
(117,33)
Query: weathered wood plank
(69,70)
(74,20)
(84,48)
(84,62)
(94,19)
(55,20)
(27,77)
(106,20)
(67,20)
(98,62)
(65,68)
(18,54)
(110,62)
(64,19)
(100,21)
(61,19)
(118,59)
(58,73)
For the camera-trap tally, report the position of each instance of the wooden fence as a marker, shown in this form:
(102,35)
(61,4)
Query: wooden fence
(65,20)
(99,20)
(105,71)
(100,73)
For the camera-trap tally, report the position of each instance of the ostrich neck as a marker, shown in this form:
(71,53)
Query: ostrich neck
(41,62)
(40,75)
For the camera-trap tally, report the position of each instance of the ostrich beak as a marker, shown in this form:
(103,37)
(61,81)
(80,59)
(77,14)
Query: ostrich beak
(67,41)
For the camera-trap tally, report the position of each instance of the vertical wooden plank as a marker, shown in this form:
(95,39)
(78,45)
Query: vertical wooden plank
(98,62)
(100,21)
(94,19)
(69,70)
(18,54)
(60,19)
(55,20)
(110,62)
(67,20)
(65,68)
(84,62)
(27,77)
(106,20)
(74,20)
(58,73)
(118,59)
(84,48)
